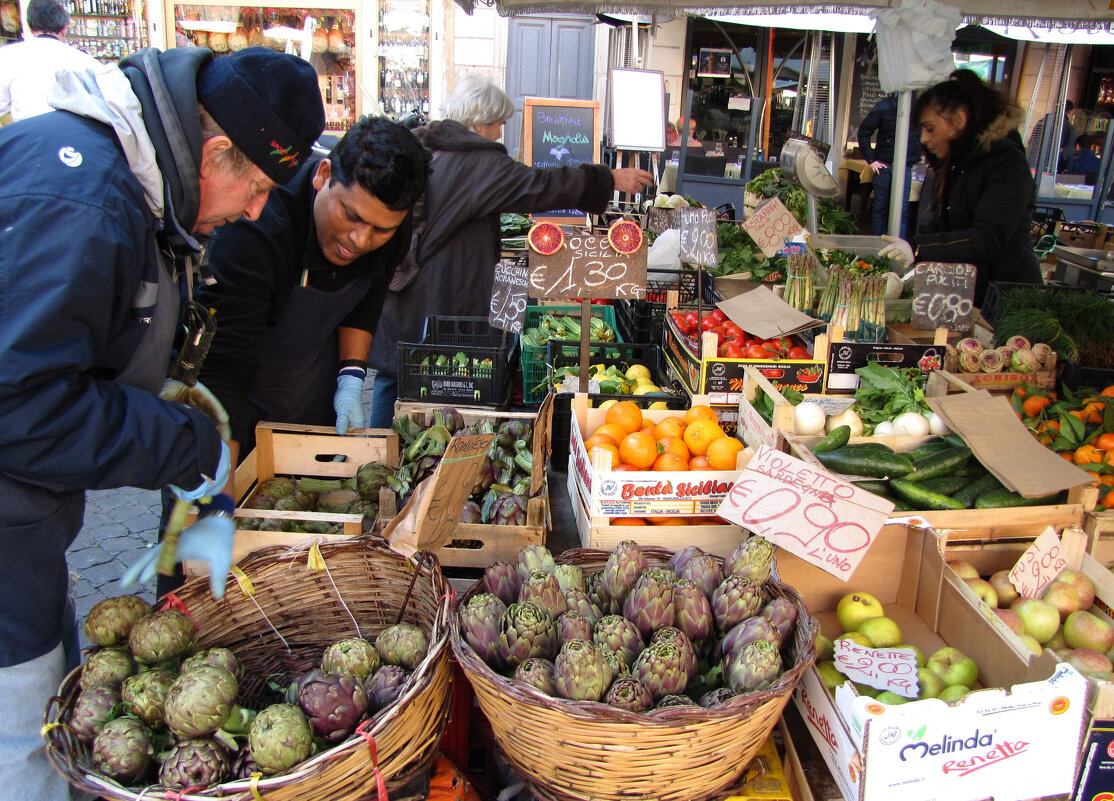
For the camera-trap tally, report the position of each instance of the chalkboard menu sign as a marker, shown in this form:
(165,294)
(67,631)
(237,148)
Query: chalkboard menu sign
(865,90)
(587,267)
(508,296)
(699,244)
(943,295)
(560,133)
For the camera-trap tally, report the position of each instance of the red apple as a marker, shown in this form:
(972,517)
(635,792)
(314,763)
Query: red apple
(1063,596)
(963,569)
(1084,630)
(1083,585)
(1002,585)
(1011,619)
(1087,661)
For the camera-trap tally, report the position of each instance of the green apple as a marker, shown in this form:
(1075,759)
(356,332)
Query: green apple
(882,631)
(1031,643)
(855,607)
(1041,620)
(953,666)
(983,590)
(824,648)
(891,698)
(916,652)
(829,674)
(856,637)
(953,693)
(866,689)
(930,684)
(964,570)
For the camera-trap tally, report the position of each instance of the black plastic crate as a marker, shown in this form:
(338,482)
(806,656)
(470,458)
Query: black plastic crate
(996,289)
(567,354)
(644,318)
(1075,376)
(467,343)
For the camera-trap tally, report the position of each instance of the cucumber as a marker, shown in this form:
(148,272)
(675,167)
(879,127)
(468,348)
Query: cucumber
(927,449)
(972,470)
(900,505)
(999,498)
(868,446)
(875,464)
(922,498)
(945,485)
(954,440)
(878,487)
(939,464)
(836,439)
(972,491)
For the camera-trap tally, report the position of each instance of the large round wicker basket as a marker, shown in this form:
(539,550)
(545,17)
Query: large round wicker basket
(278,620)
(579,750)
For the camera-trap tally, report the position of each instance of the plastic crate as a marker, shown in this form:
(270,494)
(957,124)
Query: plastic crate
(470,384)
(991,302)
(534,362)
(1075,376)
(642,319)
(567,354)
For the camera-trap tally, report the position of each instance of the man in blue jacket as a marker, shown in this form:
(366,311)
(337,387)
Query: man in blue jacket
(101,204)
(881,124)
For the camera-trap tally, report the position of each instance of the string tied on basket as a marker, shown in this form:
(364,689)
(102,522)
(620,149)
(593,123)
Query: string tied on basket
(172,601)
(416,567)
(316,561)
(380,783)
(255,777)
(49,727)
(178,794)
(248,589)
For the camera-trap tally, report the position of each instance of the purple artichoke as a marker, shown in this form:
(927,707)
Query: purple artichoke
(145,694)
(195,763)
(541,588)
(402,644)
(621,573)
(662,668)
(450,418)
(221,657)
(734,600)
(538,673)
(1017,343)
(569,577)
(161,636)
(91,710)
(970,362)
(579,602)
(581,672)
(199,702)
(1025,361)
(991,361)
(333,704)
(123,750)
(479,622)
(619,666)
(110,621)
(751,559)
(674,700)
(692,611)
(1044,354)
(705,571)
(593,587)
(533,558)
(748,631)
(107,666)
(755,666)
(782,614)
(629,693)
(649,606)
(509,509)
(969,345)
(385,686)
(243,765)
(484,478)
(279,738)
(352,656)
(618,634)
(683,643)
(471,513)
(573,626)
(714,698)
(526,630)
(678,561)
(502,581)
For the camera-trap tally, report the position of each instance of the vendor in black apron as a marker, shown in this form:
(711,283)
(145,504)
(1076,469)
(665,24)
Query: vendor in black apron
(298,292)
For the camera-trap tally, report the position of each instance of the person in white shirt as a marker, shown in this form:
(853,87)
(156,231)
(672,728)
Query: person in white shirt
(28,69)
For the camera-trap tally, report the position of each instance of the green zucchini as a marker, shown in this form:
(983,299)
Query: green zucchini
(972,470)
(875,464)
(927,449)
(954,440)
(837,438)
(973,490)
(945,485)
(877,486)
(1000,498)
(922,498)
(868,446)
(939,464)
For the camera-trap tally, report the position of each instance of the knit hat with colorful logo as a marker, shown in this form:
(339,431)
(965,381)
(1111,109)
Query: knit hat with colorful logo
(268,103)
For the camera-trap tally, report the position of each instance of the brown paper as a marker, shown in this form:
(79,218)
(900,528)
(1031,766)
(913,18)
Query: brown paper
(430,516)
(998,439)
(543,445)
(762,313)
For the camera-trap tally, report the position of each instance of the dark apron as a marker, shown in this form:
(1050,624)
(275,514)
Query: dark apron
(298,360)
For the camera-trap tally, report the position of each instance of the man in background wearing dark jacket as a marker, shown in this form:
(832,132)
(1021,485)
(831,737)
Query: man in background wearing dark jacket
(100,204)
(880,157)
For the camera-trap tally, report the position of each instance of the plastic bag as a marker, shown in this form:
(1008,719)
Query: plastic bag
(665,253)
(915,44)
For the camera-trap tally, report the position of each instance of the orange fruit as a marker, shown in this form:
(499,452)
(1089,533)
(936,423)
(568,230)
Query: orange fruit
(628,521)
(700,463)
(670,460)
(1104,442)
(648,426)
(1108,392)
(700,412)
(1092,412)
(1108,500)
(667,521)
(639,449)
(610,449)
(1051,425)
(1107,480)
(1087,454)
(669,427)
(626,415)
(611,430)
(1068,455)
(699,435)
(722,453)
(1034,405)
(599,439)
(676,445)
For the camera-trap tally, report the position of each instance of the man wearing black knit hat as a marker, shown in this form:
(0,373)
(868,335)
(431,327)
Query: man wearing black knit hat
(101,204)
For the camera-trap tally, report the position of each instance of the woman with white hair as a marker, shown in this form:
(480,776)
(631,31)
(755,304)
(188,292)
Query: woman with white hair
(472,180)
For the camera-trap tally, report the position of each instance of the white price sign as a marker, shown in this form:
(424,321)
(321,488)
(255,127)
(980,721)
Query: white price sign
(1039,565)
(808,511)
(893,669)
(771,226)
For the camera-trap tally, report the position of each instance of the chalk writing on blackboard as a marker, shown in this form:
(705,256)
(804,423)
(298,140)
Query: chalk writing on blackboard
(943,296)
(866,91)
(588,267)
(508,296)
(560,133)
(699,244)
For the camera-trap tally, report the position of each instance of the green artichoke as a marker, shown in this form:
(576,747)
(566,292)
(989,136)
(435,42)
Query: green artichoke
(280,737)
(714,698)
(782,614)
(755,666)
(123,750)
(661,667)
(751,559)
(674,700)
(107,666)
(371,478)
(692,611)
(541,588)
(502,581)
(110,621)
(91,710)
(705,571)
(569,577)
(680,639)
(274,488)
(161,636)
(334,704)
(385,686)
(621,573)
(538,673)
(402,644)
(593,587)
(578,601)
(649,606)
(352,656)
(752,629)
(629,693)
(573,626)
(145,694)
(734,601)
(479,623)
(526,630)
(221,657)
(533,558)
(618,634)
(199,702)
(580,672)
(618,664)
(200,762)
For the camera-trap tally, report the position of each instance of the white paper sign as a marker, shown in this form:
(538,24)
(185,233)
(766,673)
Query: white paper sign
(771,226)
(893,669)
(810,512)
(1039,565)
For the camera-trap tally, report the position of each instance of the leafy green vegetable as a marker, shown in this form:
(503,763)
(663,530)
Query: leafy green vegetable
(513,225)
(884,392)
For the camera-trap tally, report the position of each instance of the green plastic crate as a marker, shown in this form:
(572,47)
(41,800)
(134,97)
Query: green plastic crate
(534,370)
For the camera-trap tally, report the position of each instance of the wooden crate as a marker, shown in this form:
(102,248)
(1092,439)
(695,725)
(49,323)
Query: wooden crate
(941,382)
(283,449)
(1099,525)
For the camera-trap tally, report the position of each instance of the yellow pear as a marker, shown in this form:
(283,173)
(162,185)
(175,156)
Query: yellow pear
(658,405)
(637,371)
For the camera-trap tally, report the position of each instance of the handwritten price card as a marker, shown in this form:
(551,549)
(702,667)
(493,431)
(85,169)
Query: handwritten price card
(588,267)
(943,296)
(452,483)
(659,220)
(806,510)
(508,296)
(771,226)
(1039,565)
(893,669)
(699,241)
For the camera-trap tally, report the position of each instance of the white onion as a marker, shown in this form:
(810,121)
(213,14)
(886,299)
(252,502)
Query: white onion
(912,423)
(845,418)
(884,429)
(808,419)
(937,425)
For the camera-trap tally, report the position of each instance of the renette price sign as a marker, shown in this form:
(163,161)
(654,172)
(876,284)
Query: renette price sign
(806,510)
(588,267)
(699,241)
(508,296)
(893,669)
(1039,565)
(771,226)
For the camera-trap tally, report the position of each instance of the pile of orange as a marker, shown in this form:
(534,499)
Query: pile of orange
(693,441)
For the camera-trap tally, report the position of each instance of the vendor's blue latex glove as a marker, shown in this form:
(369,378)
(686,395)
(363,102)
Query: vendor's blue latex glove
(207,540)
(209,486)
(348,402)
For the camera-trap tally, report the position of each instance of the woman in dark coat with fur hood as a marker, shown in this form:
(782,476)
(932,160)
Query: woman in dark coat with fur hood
(456,242)
(984,194)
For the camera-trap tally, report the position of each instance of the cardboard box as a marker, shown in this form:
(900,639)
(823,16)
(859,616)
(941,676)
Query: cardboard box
(764,779)
(1019,739)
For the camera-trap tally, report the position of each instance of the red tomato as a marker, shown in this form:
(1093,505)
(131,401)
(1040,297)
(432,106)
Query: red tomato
(692,319)
(756,352)
(779,344)
(719,315)
(797,352)
(731,350)
(708,323)
(679,321)
(730,328)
